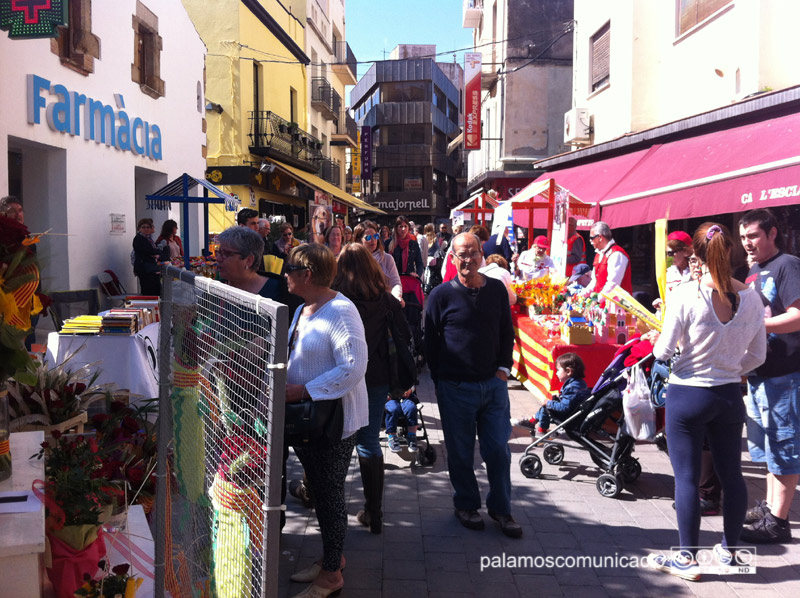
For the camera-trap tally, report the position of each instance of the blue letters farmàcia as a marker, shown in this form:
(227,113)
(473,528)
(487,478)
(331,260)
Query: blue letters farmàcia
(101,123)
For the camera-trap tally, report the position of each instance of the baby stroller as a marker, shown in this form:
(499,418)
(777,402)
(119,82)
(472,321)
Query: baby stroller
(584,427)
(412,295)
(424,456)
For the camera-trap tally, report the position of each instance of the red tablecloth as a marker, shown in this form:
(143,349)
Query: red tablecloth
(535,356)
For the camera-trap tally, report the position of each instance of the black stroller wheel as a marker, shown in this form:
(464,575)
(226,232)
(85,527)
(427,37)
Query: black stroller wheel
(609,485)
(530,466)
(553,453)
(630,469)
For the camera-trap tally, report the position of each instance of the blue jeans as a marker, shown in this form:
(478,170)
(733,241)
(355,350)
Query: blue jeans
(368,445)
(773,422)
(395,407)
(464,408)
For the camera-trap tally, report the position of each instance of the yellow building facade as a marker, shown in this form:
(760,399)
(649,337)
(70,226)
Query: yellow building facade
(255,65)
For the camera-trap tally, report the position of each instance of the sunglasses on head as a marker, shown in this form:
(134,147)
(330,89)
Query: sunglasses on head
(295,268)
(374,237)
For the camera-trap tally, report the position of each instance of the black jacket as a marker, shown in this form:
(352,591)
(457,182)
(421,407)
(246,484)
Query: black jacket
(415,261)
(374,316)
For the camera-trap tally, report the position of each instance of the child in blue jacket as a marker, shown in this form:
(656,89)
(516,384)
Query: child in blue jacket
(570,371)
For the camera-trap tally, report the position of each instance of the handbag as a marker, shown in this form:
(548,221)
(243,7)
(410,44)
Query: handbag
(312,423)
(640,413)
(402,366)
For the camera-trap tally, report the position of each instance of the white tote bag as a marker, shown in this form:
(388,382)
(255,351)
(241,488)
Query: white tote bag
(640,414)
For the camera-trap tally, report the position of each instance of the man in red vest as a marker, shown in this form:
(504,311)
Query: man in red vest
(576,249)
(612,266)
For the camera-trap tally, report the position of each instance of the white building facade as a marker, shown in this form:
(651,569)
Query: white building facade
(639,65)
(111,110)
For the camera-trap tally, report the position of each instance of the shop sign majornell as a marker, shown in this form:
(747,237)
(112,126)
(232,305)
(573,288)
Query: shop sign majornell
(101,123)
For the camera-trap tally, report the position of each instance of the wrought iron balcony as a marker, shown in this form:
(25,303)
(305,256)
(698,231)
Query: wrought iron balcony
(346,63)
(346,130)
(270,135)
(330,171)
(325,98)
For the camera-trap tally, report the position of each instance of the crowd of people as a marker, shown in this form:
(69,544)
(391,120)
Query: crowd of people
(717,331)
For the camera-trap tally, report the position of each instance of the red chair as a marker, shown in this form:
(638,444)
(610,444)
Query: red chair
(112,287)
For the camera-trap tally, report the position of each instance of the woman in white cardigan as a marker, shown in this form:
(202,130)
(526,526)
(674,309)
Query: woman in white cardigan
(327,360)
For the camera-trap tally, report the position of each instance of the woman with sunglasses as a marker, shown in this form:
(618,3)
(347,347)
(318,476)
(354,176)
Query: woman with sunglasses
(679,249)
(366,233)
(718,325)
(327,361)
(285,243)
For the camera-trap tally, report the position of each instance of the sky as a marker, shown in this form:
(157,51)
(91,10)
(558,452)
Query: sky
(372,26)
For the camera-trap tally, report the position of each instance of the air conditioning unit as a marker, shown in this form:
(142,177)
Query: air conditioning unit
(576,126)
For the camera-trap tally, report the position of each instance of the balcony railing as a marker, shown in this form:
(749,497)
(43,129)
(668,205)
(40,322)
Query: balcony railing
(270,135)
(325,98)
(330,171)
(346,130)
(346,63)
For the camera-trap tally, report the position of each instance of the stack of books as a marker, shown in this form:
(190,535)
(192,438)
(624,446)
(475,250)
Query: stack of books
(149,308)
(82,325)
(121,321)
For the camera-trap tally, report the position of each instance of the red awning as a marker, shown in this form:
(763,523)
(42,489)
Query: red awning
(755,165)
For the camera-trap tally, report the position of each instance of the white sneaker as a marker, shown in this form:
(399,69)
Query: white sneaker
(679,564)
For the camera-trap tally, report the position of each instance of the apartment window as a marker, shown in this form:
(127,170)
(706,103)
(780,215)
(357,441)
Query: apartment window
(694,12)
(601,57)
(146,67)
(75,45)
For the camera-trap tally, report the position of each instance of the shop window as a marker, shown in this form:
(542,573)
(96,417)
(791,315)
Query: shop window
(694,12)
(601,57)
(76,45)
(146,67)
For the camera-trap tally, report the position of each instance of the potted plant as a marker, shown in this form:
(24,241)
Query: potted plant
(77,498)
(114,582)
(129,452)
(42,398)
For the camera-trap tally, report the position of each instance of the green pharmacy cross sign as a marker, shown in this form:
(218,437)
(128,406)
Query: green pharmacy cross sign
(25,19)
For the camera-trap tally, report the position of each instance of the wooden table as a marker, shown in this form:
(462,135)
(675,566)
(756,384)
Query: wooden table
(535,355)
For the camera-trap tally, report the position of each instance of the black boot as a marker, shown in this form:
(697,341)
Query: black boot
(372,479)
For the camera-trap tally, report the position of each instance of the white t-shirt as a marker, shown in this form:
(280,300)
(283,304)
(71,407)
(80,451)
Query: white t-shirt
(532,268)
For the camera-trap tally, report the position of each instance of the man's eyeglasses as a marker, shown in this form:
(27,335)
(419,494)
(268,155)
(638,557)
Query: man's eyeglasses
(287,234)
(467,256)
(374,237)
(695,261)
(225,254)
(294,268)
(593,237)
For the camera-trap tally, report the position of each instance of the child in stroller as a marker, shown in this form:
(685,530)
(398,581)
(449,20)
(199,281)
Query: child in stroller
(596,425)
(570,371)
(405,406)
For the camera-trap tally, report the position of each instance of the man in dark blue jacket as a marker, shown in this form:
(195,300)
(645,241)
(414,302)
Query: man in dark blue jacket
(469,338)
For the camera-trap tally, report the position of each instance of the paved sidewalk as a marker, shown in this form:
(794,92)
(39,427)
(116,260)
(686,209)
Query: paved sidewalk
(424,551)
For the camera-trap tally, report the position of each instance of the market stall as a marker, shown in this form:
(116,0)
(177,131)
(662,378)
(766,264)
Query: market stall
(536,351)
(478,208)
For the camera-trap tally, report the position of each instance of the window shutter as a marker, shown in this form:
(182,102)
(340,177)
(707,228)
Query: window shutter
(601,56)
